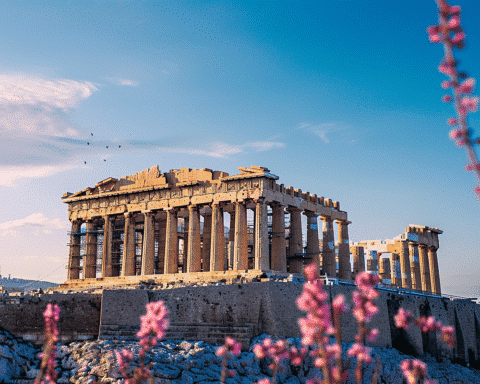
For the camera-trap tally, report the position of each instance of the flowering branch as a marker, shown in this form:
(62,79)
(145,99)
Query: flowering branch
(226,351)
(451,35)
(48,374)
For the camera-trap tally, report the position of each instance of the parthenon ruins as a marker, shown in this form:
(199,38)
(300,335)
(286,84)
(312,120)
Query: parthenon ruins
(162,225)
(167,227)
(413,262)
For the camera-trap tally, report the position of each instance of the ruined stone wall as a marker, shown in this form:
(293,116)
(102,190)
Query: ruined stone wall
(22,316)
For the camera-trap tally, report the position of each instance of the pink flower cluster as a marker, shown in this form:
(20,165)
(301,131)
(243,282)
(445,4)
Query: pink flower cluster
(413,370)
(48,374)
(403,319)
(152,328)
(450,33)
(231,346)
(364,308)
(314,301)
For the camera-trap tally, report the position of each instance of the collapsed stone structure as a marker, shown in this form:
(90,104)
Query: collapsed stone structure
(413,262)
(131,228)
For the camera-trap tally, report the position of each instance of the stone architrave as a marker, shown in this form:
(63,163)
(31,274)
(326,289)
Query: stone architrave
(107,247)
(279,251)
(405,266)
(424,267)
(171,242)
(217,246)
(313,245)
(295,248)
(74,257)
(90,261)
(128,263)
(148,253)
(434,273)
(262,260)
(207,241)
(415,266)
(194,240)
(240,251)
(344,267)
(328,252)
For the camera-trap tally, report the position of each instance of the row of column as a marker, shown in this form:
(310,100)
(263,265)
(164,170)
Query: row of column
(213,251)
(415,267)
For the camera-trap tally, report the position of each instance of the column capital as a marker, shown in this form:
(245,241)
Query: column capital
(310,214)
(128,215)
(326,218)
(432,248)
(292,208)
(344,222)
(423,246)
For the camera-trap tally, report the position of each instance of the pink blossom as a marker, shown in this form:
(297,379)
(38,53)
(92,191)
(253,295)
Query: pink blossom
(297,356)
(454,22)
(51,315)
(361,352)
(413,370)
(458,38)
(372,336)
(455,10)
(446,69)
(310,272)
(446,98)
(446,84)
(456,133)
(467,86)
(470,103)
(403,318)
(154,322)
(264,381)
(452,121)
(461,143)
(339,305)
(447,332)
(231,346)
(471,167)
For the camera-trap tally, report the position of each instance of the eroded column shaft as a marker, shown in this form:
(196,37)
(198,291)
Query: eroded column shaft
(415,266)
(344,267)
(207,242)
(295,246)
(261,237)
(74,254)
(90,261)
(217,247)
(279,251)
(405,266)
(313,246)
(171,242)
(328,252)
(128,263)
(194,240)
(395,269)
(107,247)
(424,268)
(148,254)
(240,251)
(434,272)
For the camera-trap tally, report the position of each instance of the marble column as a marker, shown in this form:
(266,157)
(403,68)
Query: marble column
(358,259)
(384,269)
(240,251)
(434,272)
(217,246)
(313,246)
(107,247)
(162,236)
(344,267)
(405,268)
(279,251)
(296,246)
(328,252)
(231,241)
(424,268)
(128,263)
(194,251)
(148,252)
(415,266)
(186,226)
(207,241)
(262,251)
(90,260)
(395,270)
(171,242)
(74,256)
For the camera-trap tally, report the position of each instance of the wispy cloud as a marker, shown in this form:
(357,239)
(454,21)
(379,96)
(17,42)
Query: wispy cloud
(35,221)
(124,82)
(325,131)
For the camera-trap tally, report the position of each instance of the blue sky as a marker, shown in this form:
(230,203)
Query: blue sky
(338,98)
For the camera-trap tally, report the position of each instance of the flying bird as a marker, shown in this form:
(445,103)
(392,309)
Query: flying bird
(119,146)
(91,133)
(107,146)
(104,160)
(85,162)
(88,143)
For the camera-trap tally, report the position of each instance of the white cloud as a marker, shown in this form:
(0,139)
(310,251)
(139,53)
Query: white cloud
(35,221)
(118,81)
(18,89)
(12,173)
(261,146)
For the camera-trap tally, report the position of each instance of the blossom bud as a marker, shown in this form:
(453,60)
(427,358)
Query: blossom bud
(446,98)
(452,121)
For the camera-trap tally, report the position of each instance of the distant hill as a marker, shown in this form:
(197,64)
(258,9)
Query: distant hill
(25,285)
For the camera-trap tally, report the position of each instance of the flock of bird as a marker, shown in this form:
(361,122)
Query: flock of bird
(88,143)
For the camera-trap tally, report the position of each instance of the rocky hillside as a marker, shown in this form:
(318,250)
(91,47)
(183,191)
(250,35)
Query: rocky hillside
(193,362)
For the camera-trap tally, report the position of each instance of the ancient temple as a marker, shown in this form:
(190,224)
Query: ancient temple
(164,225)
(412,261)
